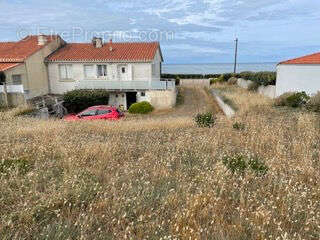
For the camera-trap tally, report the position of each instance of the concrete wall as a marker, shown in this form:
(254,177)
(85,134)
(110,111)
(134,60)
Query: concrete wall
(18,70)
(195,82)
(268,91)
(162,99)
(297,78)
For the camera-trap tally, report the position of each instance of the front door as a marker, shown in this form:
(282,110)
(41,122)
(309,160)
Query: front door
(123,72)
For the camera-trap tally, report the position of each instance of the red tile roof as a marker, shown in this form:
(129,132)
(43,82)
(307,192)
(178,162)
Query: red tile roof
(6,66)
(309,59)
(19,51)
(135,51)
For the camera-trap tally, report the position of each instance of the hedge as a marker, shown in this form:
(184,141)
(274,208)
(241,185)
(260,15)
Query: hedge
(262,78)
(78,100)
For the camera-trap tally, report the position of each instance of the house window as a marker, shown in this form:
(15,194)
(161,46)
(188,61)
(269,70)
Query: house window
(16,80)
(123,70)
(102,70)
(88,71)
(65,71)
(143,94)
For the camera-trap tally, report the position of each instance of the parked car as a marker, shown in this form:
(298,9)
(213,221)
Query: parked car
(96,113)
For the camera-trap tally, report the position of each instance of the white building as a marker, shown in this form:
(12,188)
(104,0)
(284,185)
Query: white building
(300,74)
(130,71)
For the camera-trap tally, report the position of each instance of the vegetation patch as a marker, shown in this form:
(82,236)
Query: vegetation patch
(239,126)
(294,100)
(141,108)
(205,120)
(22,165)
(78,100)
(240,164)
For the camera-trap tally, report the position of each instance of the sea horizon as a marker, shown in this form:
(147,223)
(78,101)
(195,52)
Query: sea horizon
(212,68)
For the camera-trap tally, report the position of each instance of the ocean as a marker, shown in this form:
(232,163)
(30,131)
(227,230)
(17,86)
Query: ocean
(216,68)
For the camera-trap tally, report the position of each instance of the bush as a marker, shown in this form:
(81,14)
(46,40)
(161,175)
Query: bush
(214,81)
(314,103)
(239,163)
(141,108)
(205,120)
(232,81)
(294,100)
(298,99)
(253,87)
(238,126)
(177,81)
(78,100)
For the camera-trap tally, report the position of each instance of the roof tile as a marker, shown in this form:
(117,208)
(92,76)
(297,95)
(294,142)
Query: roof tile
(309,59)
(135,51)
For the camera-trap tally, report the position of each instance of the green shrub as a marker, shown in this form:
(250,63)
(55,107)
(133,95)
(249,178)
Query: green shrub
(294,100)
(78,100)
(240,163)
(238,126)
(141,108)
(298,99)
(253,87)
(314,103)
(205,120)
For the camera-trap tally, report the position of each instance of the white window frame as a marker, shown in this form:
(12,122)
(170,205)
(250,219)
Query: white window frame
(106,71)
(85,73)
(68,71)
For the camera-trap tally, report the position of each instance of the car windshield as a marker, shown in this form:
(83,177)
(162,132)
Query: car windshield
(88,113)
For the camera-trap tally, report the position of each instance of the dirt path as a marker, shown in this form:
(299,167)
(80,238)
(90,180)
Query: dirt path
(193,101)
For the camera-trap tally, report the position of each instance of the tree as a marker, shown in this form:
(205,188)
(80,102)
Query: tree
(3,82)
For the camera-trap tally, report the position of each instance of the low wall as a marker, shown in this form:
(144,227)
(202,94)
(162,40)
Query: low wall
(14,99)
(163,99)
(195,82)
(268,91)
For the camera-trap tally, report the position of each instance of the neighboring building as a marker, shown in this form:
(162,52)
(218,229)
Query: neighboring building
(24,66)
(130,71)
(299,74)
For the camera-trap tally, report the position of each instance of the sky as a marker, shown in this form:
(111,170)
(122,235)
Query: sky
(190,31)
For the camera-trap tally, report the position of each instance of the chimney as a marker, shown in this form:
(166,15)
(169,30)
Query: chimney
(42,40)
(97,42)
(111,48)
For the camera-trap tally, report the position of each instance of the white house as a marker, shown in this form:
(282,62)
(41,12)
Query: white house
(130,71)
(299,74)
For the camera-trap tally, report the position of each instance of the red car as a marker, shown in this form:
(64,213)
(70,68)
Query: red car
(96,113)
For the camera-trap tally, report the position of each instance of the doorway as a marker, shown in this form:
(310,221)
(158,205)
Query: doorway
(131,98)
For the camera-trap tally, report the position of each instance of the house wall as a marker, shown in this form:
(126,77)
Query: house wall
(136,72)
(297,77)
(37,82)
(117,99)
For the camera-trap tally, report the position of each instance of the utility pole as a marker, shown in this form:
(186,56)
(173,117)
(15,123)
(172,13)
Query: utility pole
(236,56)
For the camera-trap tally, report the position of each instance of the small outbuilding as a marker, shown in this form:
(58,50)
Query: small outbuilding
(299,74)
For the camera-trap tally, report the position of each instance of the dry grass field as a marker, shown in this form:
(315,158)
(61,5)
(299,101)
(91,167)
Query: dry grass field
(162,177)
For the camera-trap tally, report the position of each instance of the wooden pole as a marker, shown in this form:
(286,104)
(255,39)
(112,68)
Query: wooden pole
(236,56)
